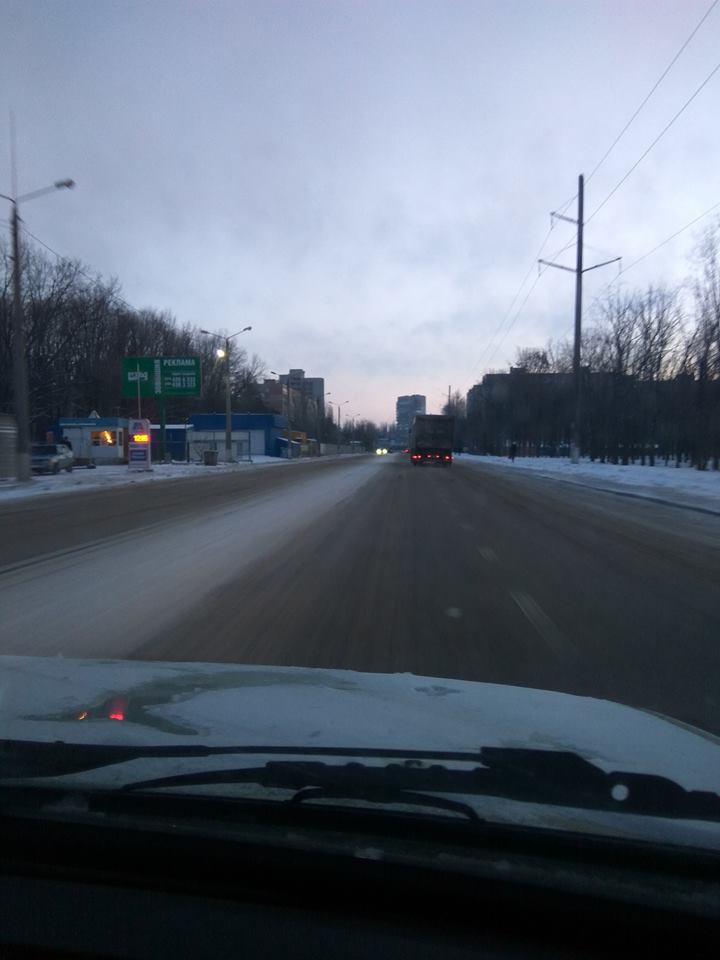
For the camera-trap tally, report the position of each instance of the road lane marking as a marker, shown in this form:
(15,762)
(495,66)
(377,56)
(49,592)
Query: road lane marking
(487,553)
(542,623)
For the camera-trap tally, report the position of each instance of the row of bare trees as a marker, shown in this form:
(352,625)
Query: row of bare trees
(651,378)
(78,328)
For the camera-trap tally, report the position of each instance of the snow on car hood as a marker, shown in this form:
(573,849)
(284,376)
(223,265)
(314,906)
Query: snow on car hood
(220,704)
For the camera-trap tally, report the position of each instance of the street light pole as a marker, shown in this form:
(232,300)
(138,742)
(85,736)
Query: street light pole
(228,387)
(282,395)
(228,404)
(339,406)
(20,372)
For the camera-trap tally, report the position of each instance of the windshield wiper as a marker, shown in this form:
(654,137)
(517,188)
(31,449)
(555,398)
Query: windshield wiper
(531,776)
(560,778)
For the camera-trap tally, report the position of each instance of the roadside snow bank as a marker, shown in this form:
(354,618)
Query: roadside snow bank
(682,486)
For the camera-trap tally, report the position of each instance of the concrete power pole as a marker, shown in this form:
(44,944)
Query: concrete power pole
(577,371)
(579,270)
(22,411)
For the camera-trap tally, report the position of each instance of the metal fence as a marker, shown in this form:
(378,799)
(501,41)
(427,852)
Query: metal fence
(8,441)
(240,449)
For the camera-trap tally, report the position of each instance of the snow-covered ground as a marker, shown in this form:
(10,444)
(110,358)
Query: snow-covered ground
(112,595)
(679,485)
(82,479)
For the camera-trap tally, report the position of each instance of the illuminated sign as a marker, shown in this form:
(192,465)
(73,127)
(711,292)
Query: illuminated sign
(139,447)
(161,376)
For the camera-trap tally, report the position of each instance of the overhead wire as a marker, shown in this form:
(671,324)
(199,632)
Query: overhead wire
(654,87)
(514,319)
(657,139)
(83,273)
(509,311)
(642,104)
(604,157)
(658,246)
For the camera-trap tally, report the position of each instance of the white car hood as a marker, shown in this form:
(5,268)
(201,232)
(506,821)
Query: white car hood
(220,704)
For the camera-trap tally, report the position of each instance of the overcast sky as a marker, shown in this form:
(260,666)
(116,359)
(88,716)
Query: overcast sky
(366,182)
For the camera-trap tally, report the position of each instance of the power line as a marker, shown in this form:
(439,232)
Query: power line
(662,133)
(663,243)
(636,113)
(83,273)
(514,319)
(514,301)
(657,83)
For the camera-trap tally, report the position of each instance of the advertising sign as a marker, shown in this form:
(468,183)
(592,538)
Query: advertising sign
(139,449)
(161,377)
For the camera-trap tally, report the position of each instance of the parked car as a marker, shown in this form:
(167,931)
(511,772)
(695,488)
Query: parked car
(51,458)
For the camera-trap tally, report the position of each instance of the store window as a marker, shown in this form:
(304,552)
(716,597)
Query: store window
(104,438)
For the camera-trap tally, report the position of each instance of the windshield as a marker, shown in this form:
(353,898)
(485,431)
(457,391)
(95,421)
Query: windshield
(376,349)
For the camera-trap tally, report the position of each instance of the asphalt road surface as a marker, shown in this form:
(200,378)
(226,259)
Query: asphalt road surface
(475,573)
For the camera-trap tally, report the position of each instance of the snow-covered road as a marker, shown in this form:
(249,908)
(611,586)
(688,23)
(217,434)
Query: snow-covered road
(107,597)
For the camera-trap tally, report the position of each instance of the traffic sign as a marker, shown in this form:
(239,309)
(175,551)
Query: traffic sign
(161,376)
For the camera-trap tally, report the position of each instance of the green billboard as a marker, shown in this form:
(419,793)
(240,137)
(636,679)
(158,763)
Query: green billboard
(161,376)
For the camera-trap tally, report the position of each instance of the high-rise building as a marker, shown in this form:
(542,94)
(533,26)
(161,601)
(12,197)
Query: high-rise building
(313,388)
(298,397)
(405,410)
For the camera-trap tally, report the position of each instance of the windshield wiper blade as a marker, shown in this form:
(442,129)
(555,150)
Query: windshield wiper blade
(561,778)
(41,758)
(532,776)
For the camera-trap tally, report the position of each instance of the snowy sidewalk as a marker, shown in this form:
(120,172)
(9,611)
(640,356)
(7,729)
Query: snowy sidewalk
(678,486)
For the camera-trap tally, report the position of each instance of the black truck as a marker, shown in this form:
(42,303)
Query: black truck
(431,439)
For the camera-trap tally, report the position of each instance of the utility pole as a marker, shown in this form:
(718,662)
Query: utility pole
(22,405)
(228,404)
(577,372)
(577,345)
(20,369)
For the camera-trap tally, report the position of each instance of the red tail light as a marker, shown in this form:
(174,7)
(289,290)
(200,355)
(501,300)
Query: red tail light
(117,708)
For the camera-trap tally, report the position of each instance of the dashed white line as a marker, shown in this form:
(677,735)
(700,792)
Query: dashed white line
(487,553)
(550,633)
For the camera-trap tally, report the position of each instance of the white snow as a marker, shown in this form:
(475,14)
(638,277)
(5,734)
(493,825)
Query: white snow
(681,485)
(265,706)
(82,478)
(254,706)
(112,595)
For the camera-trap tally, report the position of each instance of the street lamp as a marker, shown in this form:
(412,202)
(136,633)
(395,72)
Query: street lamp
(228,384)
(338,404)
(320,429)
(278,375)
(20,373)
